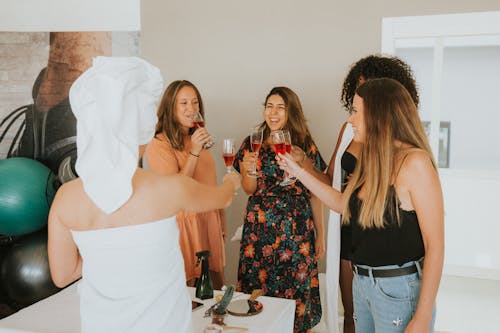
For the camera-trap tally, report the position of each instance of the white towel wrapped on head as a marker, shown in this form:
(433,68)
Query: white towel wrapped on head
(114,103)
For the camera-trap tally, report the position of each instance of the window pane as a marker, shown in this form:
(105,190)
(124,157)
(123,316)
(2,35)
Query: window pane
(470,113)
(420,60)
(471,86)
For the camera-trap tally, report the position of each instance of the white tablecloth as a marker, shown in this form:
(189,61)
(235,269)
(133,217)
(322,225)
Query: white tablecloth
(60,313)
(276,317)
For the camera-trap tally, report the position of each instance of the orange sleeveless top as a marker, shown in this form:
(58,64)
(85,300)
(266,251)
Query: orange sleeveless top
(198,231)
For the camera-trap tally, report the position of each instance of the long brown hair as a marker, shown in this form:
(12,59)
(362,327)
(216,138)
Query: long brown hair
(167,123)
(389,115)
(296,122)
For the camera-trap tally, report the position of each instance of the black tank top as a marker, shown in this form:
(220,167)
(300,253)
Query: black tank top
(347,164)
(392,245)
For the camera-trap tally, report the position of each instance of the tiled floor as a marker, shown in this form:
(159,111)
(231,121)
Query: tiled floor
(464,305)
(468,305)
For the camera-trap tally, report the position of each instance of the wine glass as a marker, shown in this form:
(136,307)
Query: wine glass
(279,142)
(198,122)
(288,148)
(228,153)
(255,143)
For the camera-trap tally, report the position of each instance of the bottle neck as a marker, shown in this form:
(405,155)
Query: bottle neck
(204,265)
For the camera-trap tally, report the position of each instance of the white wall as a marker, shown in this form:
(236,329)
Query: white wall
(471,223)
(236,51)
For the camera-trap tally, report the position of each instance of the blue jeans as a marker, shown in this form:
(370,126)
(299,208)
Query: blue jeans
(386,305)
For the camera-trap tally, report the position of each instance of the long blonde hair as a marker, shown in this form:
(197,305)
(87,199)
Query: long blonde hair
(390,115)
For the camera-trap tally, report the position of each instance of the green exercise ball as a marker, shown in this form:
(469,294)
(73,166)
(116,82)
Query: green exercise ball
(26,192)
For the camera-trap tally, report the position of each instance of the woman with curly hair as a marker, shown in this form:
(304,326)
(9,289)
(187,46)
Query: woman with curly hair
(341,166)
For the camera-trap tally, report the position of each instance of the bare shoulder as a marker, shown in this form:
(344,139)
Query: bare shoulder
(159,141)
(63,205)
(418,160)
(342,129)
(68,191)
(335,150)
(416,169)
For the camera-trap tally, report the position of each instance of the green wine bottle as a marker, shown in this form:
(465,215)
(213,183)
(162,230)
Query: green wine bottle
(204,287)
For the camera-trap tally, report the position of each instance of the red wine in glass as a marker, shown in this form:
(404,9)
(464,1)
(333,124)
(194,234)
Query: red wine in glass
(280,148)
(256,146)
(228,153)
(199,121)
(228,159)
(283,143)
(199,124)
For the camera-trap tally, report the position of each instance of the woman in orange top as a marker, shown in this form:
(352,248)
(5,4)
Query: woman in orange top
(177,147)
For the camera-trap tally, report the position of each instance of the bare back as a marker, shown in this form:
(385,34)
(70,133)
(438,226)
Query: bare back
(154,197)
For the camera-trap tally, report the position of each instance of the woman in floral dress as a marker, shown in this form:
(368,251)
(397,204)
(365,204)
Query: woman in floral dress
(283,233)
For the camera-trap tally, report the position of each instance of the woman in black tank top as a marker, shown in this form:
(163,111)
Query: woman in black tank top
(393,202)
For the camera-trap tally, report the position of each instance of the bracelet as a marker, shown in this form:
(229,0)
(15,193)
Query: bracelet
(193,154)
(304,158)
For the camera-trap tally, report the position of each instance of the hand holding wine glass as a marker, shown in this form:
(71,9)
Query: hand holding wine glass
(228,153)
(280,141)
(255,143)
(288,164)
(234,178)
(198,122)
(288,148)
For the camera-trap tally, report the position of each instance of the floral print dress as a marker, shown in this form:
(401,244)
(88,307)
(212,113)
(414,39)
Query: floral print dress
(277,245)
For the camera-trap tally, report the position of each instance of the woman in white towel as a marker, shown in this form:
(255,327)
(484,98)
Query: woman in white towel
(115,225)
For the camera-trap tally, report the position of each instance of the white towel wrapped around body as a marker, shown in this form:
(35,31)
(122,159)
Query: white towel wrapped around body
(124,293)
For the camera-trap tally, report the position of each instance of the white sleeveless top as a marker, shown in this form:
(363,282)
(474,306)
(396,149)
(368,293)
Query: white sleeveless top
(333,240)
(133,279)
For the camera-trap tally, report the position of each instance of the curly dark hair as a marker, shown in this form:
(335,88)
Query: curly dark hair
(378,66)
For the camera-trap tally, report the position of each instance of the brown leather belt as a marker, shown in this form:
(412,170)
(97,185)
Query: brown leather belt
(385,273)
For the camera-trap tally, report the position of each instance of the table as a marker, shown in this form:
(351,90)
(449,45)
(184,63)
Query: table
(276,317)
(60,313)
